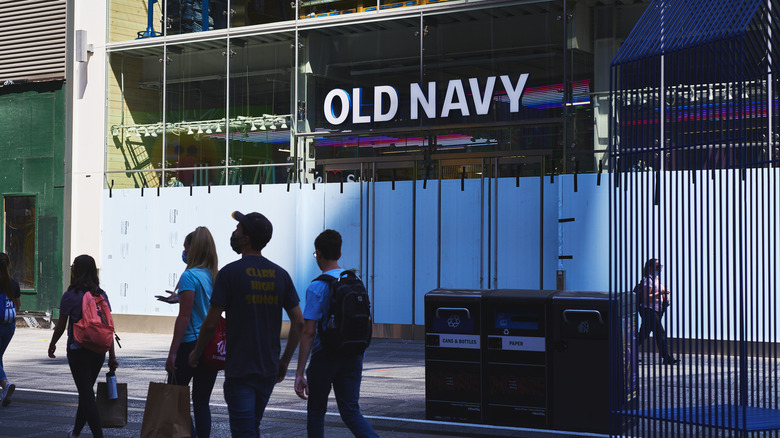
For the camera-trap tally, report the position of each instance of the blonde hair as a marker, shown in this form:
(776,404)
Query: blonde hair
(203,251)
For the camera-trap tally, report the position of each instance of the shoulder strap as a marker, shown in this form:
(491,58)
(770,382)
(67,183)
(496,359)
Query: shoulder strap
(326,278)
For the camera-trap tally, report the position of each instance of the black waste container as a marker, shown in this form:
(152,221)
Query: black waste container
(516,376)
(453,355)
(581,358)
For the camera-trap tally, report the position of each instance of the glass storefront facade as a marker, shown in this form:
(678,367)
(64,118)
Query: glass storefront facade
(268,94)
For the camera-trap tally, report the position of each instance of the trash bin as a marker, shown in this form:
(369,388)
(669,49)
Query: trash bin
(581,358)
(453,355)
(516,361)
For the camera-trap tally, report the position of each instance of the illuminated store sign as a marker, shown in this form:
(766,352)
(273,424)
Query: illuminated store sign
(340,103)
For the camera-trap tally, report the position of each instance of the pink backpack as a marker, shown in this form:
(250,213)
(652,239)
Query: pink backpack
(95,330)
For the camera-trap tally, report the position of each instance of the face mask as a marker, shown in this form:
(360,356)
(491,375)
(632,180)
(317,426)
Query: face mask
(184,256)
(235,242)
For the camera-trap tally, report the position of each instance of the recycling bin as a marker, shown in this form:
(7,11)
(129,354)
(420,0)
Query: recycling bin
(581,359)
(453,355)
(516,378)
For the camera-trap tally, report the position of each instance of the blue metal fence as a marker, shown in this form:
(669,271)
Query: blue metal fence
(694,154)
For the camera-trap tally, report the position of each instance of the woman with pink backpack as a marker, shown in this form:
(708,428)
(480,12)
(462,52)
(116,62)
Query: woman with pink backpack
(85,362)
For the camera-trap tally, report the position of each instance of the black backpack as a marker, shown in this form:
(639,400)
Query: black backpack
(347,323)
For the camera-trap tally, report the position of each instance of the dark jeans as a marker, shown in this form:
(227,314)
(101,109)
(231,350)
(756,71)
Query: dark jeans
(85,366)
(246,398)
(651,322)
(6,333)
(202,384)
(344,375)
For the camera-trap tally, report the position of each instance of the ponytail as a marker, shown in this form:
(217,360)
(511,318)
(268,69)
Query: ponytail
(5,275)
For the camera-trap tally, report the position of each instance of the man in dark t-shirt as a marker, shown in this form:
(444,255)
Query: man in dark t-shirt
(252,291)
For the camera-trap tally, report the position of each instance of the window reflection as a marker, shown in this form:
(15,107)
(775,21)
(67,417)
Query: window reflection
(20,238)
(135,116)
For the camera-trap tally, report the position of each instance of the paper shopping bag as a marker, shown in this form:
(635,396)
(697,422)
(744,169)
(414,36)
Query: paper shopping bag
(167,412)
(113,413)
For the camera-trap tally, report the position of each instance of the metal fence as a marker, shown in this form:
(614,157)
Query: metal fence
(694,176)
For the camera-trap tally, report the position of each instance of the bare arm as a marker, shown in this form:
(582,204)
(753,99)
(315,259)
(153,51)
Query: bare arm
(17,303)
(206,332)
(186,301)
(296,327)
(59,329)
(307,339)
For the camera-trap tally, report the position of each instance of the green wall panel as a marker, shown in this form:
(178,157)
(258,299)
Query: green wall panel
(10,178)
(32,147)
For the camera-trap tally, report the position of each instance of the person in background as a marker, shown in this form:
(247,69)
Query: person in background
(252,291)
(342,373)
(10,300)
(653,301)
(195,286)
(84,364)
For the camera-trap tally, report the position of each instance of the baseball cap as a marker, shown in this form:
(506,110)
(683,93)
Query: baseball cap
(255,225)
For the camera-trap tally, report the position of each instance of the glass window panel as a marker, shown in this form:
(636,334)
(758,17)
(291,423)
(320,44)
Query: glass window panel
(20,239)
(261,74)
(484,73)
(135,131)
(196,92)
(132,19)
(392,5)
(188,16)
(250,12)
(317,9)
(366,56)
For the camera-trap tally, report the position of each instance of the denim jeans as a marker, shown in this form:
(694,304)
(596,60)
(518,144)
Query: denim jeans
(202,384)
(344,374)
(85,366)
(6,333)
(246,398)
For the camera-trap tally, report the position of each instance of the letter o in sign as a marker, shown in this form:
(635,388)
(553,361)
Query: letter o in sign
(330,116)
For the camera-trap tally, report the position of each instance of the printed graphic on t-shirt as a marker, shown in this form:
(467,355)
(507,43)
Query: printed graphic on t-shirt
(262,281)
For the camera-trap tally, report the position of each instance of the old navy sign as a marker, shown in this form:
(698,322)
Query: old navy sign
(386,100)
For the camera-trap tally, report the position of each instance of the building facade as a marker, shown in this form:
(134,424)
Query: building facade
(459,133)
(34,150)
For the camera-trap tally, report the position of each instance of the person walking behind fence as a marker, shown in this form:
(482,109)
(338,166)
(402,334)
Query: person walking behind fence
(85,364)
(10,300)
(194,293)
(327,369)
(252,291)
(653,301)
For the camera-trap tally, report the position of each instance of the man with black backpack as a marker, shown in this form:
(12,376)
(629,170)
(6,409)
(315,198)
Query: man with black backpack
(337,330)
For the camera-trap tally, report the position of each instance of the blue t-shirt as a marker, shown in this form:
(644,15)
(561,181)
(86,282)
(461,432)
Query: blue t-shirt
(197,280)
(317,303)
(253,290)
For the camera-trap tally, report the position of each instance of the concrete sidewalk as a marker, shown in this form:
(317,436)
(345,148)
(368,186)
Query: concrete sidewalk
(392,396)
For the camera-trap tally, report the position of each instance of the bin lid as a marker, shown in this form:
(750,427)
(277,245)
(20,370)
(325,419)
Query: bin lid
(581,295)
(450,293)
(522,294)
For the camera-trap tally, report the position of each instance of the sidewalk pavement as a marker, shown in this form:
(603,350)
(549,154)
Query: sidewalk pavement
(392,393)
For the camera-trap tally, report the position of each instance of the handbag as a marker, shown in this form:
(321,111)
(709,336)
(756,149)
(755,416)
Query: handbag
(167,412)
(214,354)
(113,413)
